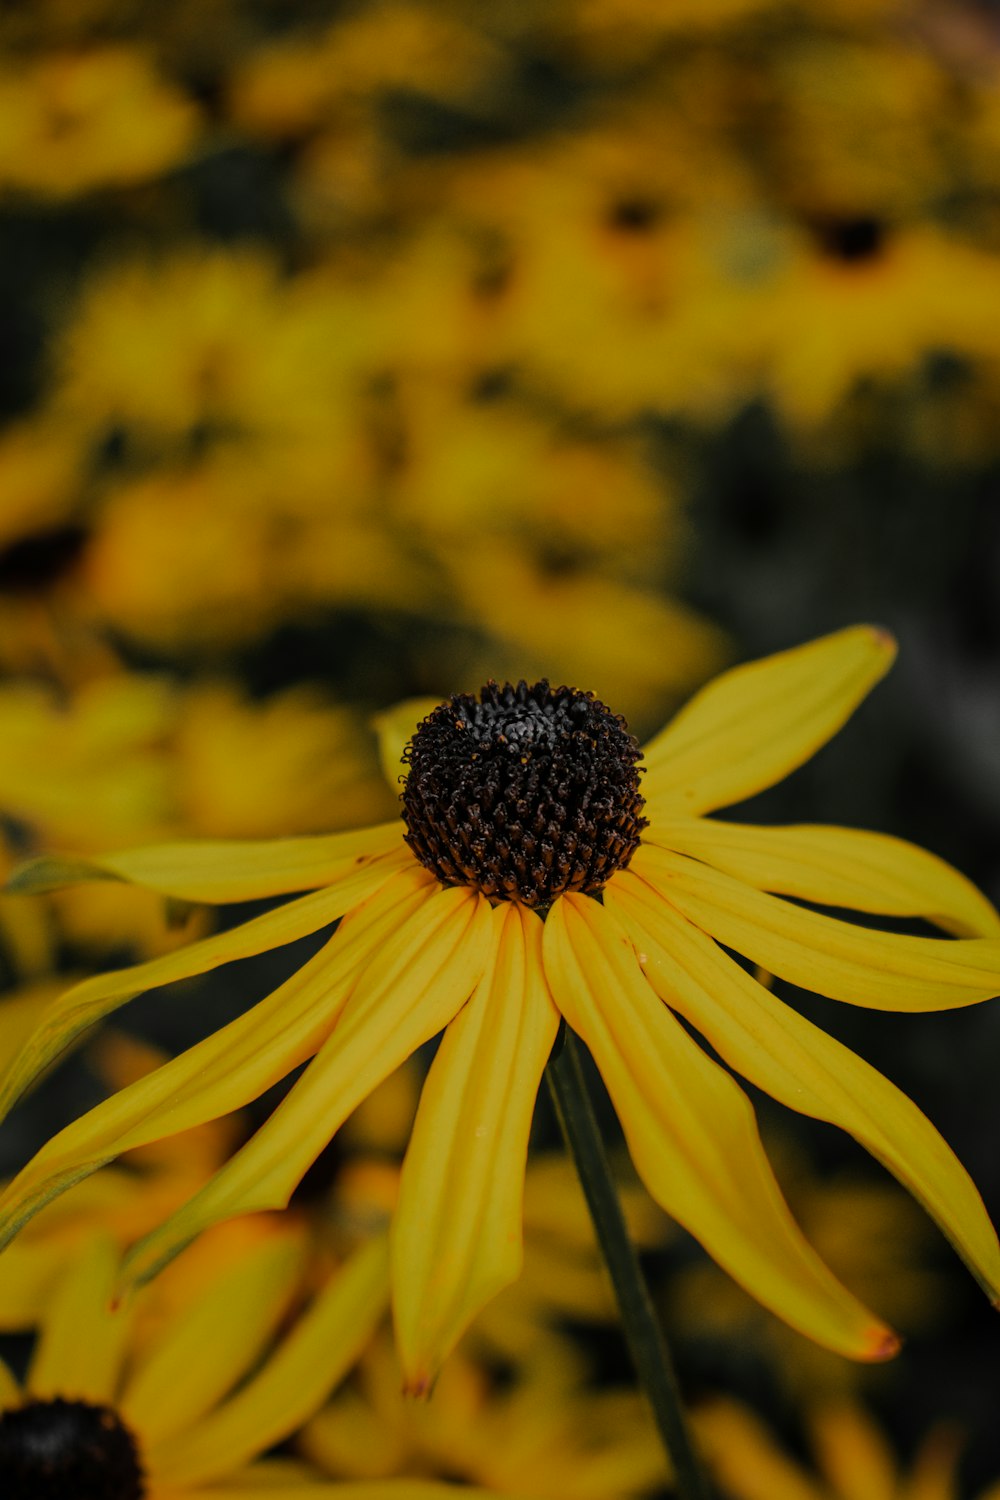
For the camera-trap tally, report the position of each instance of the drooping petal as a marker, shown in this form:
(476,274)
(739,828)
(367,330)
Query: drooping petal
(412,987)
(313,1359)
(225,1070)
(692,1132)
(82,1342)
(201,1356)
(217,870)
(882,970)
(797,1063)
(752,725)
(94,998)
(457,1231)
(837,867)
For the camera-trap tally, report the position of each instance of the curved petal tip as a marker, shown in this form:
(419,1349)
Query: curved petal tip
(884,639)
(882,1345)
(418,1386)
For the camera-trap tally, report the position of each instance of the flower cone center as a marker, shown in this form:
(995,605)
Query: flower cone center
(523,792)
(51,1450)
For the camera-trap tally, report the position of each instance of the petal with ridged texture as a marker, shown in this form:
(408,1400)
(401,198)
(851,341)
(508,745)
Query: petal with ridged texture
(795,1062)
(93,999)
(457,1231)
(692,1133)
(751,726)
(848,867)
(881,970)
(225,1070)
(412,986)
(217,871)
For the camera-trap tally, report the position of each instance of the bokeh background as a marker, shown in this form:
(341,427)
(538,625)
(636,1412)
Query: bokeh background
(358,351)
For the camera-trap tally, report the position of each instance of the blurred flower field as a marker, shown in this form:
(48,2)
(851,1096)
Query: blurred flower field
(358,353)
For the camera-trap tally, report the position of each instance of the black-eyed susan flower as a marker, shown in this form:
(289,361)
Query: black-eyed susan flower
(149,1402)
(478,913)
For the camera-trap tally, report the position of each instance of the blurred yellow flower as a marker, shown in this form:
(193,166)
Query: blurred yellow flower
(71,122)
(852,1457)
(105,1410)
(545,1434)
(443,929)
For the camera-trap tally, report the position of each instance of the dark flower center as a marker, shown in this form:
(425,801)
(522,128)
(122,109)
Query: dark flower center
(523,792)
(54,1450)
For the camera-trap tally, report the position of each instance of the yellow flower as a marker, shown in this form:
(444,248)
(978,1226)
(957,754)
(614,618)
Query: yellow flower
(71,122)
(851,1453)
(523,802)
(544,1434)
(120,1401)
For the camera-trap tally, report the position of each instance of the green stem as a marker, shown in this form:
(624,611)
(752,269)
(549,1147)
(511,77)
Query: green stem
(643,1334)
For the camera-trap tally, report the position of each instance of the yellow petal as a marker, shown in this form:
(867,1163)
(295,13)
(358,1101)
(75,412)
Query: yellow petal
(854,1457)
(781,1052)
(218,870)
(82,1342)
(395,729)
(746,1461)
(837,867)
(692,1133)
(92,999)
(202,1355)
(754,724)
(414,984)
(295,1381)
(883,970)
(225,1070)
(457,1232)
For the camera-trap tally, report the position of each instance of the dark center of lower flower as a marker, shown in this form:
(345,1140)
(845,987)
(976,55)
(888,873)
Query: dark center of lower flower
(523,792)
(54,1450)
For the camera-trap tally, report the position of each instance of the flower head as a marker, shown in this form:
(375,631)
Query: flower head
(534,807)
(121,1402)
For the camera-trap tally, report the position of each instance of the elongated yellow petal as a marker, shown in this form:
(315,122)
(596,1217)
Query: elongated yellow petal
(746,1461)
(457,1232)
(92,999)
(217,870)
(414,984)
(853,1454)
(781,1052)
(882,970)
(200,1358)
(225,1070)
(692,1133)
(754,724)
(82,1342)
(294,1382)
(837,867)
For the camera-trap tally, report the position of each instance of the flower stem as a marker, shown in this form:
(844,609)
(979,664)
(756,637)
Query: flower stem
(643,1334)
